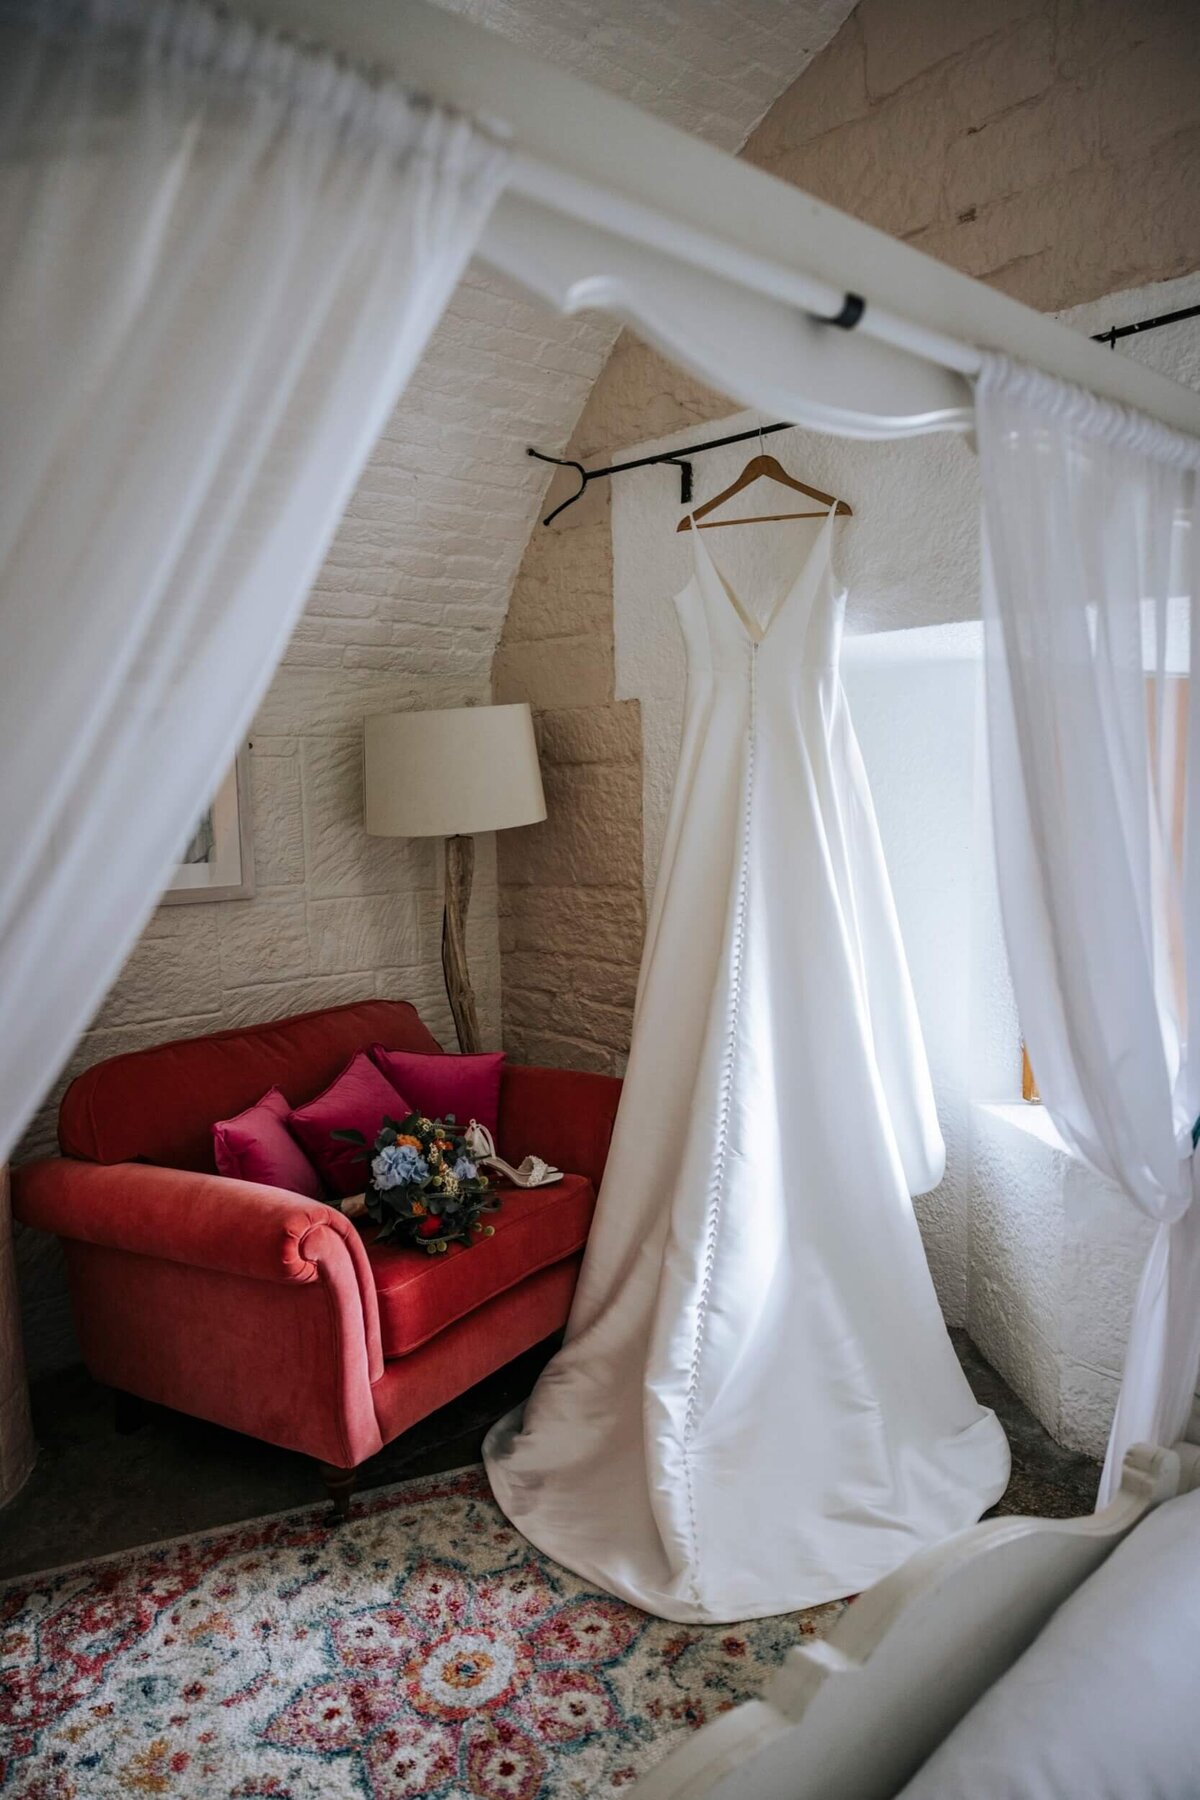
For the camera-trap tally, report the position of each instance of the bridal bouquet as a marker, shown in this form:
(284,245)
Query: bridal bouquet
(424,1187)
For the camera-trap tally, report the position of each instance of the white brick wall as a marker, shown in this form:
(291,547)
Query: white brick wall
(710,66)
(409,606)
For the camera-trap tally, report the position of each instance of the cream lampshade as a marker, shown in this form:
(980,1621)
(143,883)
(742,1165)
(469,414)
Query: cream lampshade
(449,774)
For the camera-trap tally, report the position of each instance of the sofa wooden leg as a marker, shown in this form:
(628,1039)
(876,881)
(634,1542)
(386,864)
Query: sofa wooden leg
(130,1412)
(339,1485)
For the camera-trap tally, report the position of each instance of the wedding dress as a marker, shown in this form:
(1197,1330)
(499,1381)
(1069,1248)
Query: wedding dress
(757,1406)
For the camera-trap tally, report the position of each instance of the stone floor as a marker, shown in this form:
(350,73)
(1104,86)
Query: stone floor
(94,1490)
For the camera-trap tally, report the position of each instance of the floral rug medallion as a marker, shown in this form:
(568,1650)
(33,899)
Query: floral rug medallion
(422,1649)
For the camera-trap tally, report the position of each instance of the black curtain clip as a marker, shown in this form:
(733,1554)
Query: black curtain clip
(853,308)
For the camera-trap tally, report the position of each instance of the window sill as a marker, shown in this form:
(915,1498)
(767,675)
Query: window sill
(1034,1121)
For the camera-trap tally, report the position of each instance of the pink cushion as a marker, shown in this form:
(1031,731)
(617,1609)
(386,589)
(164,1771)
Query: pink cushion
(359,1100)
(257,1146)
(158,1105)
(465,1087)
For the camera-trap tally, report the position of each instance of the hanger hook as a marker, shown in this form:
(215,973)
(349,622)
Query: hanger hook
(762,449)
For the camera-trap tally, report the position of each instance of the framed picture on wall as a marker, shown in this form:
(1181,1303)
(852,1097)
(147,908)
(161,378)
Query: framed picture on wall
(218,863)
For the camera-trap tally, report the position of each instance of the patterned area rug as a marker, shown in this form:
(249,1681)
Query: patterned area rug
(422,1649)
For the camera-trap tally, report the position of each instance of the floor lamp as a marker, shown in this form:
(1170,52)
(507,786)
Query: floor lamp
(450,774)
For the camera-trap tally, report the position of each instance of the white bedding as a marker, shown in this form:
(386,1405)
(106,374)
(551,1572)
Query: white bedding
(1105,1703)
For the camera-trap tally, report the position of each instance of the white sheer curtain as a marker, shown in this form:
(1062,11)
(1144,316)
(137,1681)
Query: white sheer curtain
(1091,578)
(220,259)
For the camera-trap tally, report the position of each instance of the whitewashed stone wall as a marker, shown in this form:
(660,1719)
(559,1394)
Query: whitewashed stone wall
(710,66)
(1050,147)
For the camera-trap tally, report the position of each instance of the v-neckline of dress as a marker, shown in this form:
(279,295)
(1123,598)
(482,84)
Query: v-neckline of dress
(756,634)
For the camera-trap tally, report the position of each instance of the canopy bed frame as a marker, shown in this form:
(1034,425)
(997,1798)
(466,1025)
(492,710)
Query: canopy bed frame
(879,338)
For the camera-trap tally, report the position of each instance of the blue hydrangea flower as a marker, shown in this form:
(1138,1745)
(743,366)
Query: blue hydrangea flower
(465,1169)
(398,1165)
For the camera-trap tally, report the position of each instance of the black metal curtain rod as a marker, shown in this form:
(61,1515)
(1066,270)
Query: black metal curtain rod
(847,319)
(680,458)
(1124,331)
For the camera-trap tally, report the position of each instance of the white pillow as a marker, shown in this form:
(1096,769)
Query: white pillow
(1105,1703)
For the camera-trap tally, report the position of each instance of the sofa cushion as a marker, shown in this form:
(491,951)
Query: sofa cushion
(420,1295)
(158,1105)
(458,1087)
(256,1145)
(360,1099)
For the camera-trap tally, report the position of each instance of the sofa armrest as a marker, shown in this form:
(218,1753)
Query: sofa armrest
(207,1221)
(201,1221)
(246,1305)
(563,1115)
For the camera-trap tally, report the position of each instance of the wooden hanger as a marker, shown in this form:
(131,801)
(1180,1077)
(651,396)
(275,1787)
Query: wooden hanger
(764,468)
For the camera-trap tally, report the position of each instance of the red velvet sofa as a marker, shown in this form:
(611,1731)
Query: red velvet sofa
(269,1313)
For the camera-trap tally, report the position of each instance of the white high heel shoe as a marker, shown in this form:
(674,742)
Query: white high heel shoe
(533,1172)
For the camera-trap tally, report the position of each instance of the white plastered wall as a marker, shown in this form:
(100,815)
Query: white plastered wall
(1029,1250)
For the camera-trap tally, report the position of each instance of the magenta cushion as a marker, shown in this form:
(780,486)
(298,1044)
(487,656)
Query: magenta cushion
(256,1145)
(467,1087)
(359,1100)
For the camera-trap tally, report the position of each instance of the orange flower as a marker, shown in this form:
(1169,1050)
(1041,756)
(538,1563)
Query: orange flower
(418,1207)
(414,1141)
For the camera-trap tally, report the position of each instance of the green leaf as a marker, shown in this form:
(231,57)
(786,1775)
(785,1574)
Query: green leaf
(350,1137)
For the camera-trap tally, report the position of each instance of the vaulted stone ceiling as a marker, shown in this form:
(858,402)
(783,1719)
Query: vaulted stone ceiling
(417,583)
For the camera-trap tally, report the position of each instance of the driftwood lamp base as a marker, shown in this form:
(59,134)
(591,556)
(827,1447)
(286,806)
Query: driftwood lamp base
(460,870)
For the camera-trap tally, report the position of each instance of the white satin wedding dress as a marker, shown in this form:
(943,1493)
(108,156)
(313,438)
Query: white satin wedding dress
(757,1406)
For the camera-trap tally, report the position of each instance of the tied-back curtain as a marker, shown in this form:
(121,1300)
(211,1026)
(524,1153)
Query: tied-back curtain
(220,259)
(1091,578)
